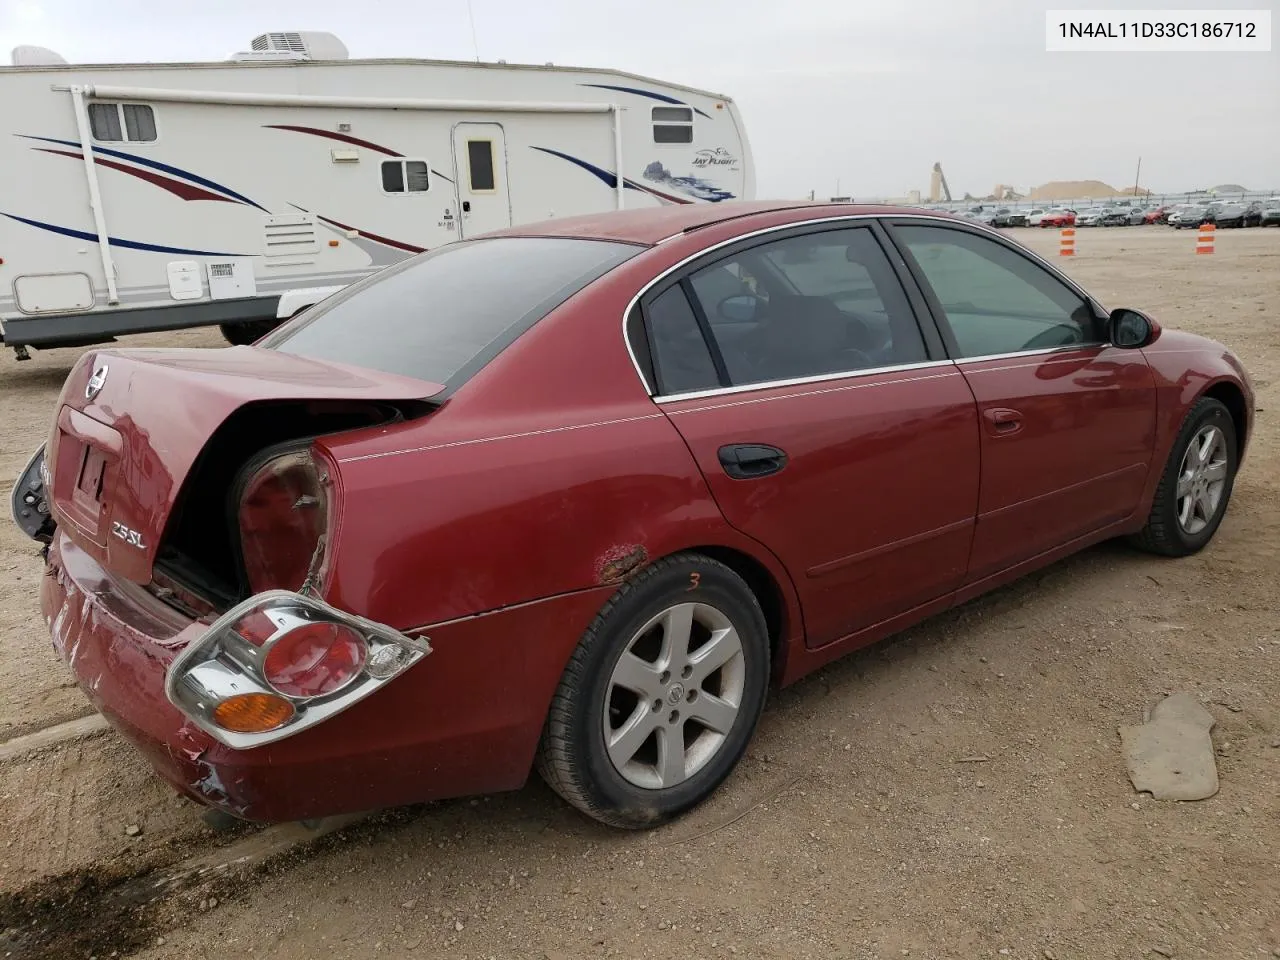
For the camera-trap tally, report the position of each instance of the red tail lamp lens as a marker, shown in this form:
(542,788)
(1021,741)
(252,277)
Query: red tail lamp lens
(256,627)
(315,659)
(282,517)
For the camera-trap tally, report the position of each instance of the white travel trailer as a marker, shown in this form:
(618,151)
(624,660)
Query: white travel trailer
(158,196)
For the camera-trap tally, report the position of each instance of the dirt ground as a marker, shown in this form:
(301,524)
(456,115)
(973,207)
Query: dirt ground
(957,792)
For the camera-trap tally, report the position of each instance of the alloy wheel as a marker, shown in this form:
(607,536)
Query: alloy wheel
(674,695)
(1201,479)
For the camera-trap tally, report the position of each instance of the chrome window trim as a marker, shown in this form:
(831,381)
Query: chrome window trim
(799,381)
(1039,351)
(650,389)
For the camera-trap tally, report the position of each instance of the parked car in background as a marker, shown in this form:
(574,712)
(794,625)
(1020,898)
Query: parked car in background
(1115,217)
(1058,217)
(1035,216)
(1240,214)
(1008,217)
(1270,216)
(1232,215)
(1156,214)
(978,215)
(438,531)
(1090,218)
(1195,215)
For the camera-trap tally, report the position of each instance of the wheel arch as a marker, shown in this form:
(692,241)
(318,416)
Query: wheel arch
(780,607)
(1231,396)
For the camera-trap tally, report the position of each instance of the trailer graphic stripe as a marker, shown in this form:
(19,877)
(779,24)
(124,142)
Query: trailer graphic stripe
(187,191)
(116,241)
(373,236)
(645,93)
(611,179)
(330,135)
(346,138)
(155,165)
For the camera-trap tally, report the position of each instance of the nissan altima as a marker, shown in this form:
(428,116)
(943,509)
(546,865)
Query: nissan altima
(574,497)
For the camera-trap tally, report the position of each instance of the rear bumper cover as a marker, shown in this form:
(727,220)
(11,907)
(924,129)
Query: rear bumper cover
(465,720)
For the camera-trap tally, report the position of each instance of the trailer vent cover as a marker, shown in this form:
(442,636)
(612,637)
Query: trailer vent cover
(311,44)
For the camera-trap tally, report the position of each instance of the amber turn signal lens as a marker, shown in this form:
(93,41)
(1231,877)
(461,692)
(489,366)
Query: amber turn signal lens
(252,712)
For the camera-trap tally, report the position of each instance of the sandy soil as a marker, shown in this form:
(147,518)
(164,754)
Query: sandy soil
(859,826)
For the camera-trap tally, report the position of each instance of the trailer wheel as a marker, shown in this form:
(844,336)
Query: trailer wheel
(250,331)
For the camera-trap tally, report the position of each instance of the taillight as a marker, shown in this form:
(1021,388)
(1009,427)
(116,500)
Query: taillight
(283,512)
(253,712)
(314,660)
(282,662)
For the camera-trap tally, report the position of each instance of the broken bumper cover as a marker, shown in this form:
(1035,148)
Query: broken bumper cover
(121,651)
(28,501)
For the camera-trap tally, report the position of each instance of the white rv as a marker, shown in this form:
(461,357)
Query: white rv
(157,196)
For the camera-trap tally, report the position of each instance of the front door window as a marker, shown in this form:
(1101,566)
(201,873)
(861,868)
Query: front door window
(995,300)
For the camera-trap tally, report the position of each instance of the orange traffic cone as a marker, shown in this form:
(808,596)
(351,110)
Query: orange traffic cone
(1067,242)
(1204,242)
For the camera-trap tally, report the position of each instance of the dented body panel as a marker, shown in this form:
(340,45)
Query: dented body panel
(145,418)
(464,720)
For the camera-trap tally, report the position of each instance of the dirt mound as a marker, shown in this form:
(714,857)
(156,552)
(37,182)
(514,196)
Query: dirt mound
(1073,189)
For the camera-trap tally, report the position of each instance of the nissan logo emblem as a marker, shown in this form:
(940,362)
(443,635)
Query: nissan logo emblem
(94,386)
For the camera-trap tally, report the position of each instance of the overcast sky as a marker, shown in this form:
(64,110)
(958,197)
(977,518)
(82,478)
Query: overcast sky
(866,92)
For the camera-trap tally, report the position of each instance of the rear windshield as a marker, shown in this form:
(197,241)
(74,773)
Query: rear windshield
(443,315)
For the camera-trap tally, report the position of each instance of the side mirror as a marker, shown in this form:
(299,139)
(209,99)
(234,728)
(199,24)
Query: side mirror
(1130,329)
(739,309)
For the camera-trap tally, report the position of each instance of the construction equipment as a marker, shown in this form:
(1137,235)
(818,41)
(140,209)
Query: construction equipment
(938,189)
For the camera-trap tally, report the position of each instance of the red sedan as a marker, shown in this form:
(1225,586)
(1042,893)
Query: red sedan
(1058,218)
(573,496)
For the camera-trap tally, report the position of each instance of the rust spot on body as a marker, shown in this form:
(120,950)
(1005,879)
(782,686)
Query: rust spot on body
(620,562)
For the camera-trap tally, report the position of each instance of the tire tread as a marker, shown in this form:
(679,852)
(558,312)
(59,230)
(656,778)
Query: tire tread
(1156,535)
(555,761)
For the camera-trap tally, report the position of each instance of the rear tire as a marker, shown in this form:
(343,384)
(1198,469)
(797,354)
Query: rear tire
(638,731)
(250,331)
(1192,497)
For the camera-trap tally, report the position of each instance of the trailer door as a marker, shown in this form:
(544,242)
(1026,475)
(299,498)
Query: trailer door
(480,161)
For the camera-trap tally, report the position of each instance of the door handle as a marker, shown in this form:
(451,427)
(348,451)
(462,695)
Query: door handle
(746,461)
(1002,420)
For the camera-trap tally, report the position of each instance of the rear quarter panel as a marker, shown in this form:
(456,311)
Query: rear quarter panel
(551,471)
(501,524)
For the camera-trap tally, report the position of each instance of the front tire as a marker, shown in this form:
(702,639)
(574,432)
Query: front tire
(661,696)
(1196,486)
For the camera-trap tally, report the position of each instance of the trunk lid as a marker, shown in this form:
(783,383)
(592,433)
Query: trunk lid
(130,424)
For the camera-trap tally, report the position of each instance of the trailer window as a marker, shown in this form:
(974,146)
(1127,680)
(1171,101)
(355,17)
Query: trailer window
(673,124)
(480,163)
(122,122)
(405,176)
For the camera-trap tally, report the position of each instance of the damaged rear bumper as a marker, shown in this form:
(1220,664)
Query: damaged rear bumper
(463,721)
(121,649)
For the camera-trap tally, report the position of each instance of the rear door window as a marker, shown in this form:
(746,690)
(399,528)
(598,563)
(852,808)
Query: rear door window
(443,315)
(808,305)
(682,359)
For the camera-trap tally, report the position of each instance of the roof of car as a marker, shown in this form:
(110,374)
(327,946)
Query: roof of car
(654,224)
